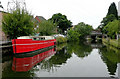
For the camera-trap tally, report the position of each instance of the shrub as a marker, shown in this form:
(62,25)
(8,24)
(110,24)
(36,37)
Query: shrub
(18,23)
(73,35)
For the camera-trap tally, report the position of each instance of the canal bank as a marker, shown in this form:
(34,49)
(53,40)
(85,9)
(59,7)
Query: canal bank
(113,42)
(6,48)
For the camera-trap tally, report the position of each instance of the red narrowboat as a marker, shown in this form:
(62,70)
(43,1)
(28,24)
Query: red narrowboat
(25,44)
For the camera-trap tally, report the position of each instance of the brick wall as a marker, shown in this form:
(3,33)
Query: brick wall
(0,26)
(2,34)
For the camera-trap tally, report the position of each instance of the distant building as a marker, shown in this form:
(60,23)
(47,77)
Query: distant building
(39,19)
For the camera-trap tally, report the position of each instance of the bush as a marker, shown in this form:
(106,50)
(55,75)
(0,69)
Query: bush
(79,32)
(61,39)
(73,35)
(18,23)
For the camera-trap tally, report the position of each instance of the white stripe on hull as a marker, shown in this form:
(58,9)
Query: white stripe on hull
(33,43)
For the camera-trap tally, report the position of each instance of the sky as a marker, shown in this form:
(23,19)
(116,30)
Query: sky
(88,11)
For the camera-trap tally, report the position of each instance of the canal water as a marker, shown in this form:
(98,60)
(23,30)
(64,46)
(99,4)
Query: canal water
(79,59)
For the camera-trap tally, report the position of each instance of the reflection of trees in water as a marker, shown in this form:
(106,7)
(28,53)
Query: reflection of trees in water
(60,46)
(110,58)
(55,61)
(80,49)
(60,57)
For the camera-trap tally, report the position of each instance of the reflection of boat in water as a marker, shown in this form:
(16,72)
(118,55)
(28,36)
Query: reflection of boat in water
(23,64)
(32,43)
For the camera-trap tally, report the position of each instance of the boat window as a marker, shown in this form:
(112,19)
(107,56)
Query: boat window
(37,38)
(34,38)
(40,38)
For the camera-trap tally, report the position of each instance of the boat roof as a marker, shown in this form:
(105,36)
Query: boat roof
(36,36)
(28,37)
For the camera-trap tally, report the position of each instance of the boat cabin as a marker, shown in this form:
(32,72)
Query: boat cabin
(37,37)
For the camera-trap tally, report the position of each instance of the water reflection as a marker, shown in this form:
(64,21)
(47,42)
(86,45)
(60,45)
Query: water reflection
(64,53)
(80,58)
(111,58)
(80,49)
(25,64)
(57,60)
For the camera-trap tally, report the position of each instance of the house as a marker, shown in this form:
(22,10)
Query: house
(39,19)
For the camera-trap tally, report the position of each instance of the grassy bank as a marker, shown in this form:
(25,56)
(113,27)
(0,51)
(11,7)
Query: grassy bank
(112,42)
(61,39)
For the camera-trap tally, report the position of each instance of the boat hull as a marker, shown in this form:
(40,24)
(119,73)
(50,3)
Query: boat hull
(29,45)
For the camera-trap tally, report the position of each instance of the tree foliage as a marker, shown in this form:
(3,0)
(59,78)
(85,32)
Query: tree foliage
(79,32)
(73,35)
(112,28)
(83,29)
(107,19)
(46,28)
(61,21)
(18,23)
(111,16)
(113,10)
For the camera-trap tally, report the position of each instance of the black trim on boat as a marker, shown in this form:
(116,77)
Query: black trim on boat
(32,53)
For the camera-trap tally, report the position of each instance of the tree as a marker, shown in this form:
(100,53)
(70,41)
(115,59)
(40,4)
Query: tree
(61,21)
(112,28)
(111,16)
(79,32)
(46,28)
(106,20)
(83,29)
(73,35)
(113,10)
(18,23)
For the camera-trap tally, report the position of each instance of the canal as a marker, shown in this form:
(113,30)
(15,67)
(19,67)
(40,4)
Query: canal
(79,59)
